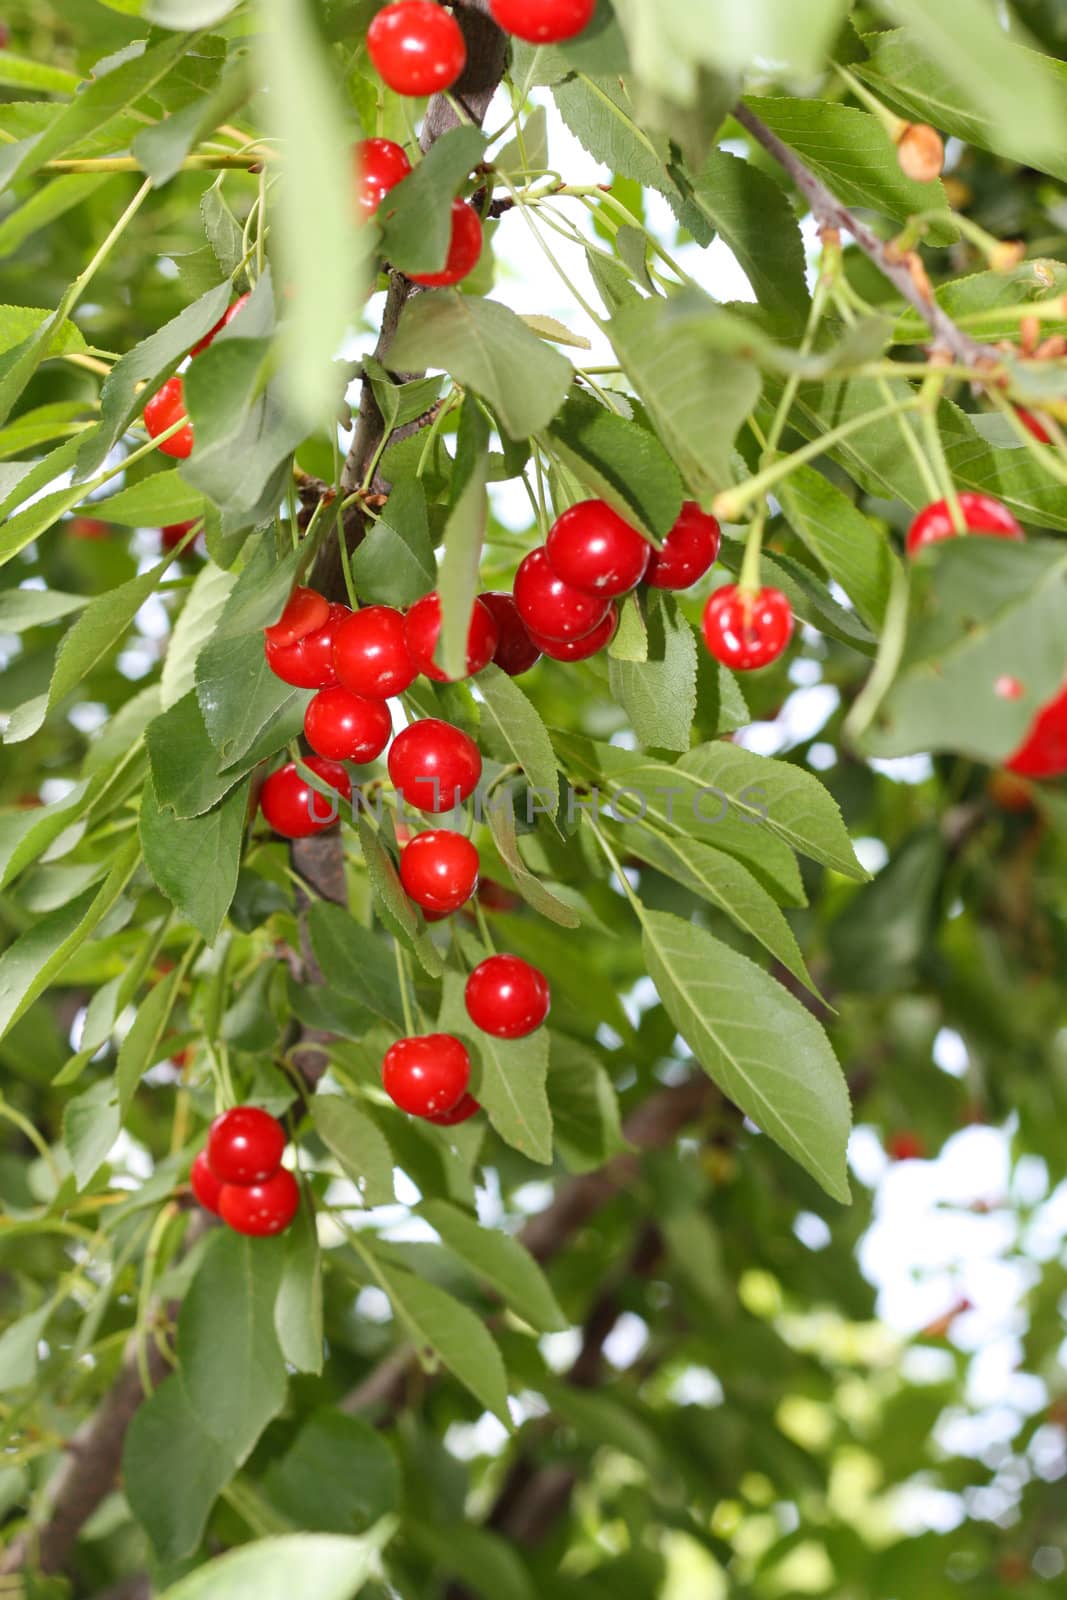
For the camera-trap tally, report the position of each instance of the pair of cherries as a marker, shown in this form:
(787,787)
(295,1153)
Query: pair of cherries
(418,47)
(239,1176)
(565,592)
(380,165)
(428,1075)
(1043,753)
(167,405)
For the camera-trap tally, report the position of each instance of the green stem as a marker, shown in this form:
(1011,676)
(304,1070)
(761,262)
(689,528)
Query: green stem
(402,979)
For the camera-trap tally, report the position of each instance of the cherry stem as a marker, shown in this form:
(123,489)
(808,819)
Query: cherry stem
(402,979)
(483,926)
(929,404)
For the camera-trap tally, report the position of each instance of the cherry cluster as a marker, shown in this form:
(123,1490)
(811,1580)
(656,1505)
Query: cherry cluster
(239,1176)
(1043,753)
(418,46)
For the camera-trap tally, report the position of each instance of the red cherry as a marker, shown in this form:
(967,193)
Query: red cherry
(550,608)
(464,249)
(223,322)
(581,649)
(515,652)
(293,808)
(434,766)
(594,550)
(370,655)
(745,631)
(689,550)
(981,514)
(417,47)
(261,1209)
(426,1075)
(162,412)
(422,629)
(462,1111)
(245,1145)
(1043,753)
(543,21)
(347,727)
(173,534)
(206,1187)
(507,997)
(88,528)
(906,1147)
(1033,425)
(305,612)
(439,870)
(380,165)
(309,663)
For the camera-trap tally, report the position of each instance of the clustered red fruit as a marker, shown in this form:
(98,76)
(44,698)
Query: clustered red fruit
(380,165)
(293,808)
(439,870)
(417,47)
(167,405)
(422,629)
(239,1176)
(426,1076)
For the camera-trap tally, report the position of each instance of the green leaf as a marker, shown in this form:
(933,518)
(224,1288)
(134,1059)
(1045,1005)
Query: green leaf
(394,564)
(162,148)
(486,1561)
(854,156)
(659,695)
(23,609)
(338,1476)
(728,886)
(140,1047)
(18,1348)
(359,1146)
(195,860)
(188,15)
(440,1324)
(500,1260)
(683,383)
(92,1122)
(846,543)
(394,907)
(319,1564)
(533,891)
(306,116)
(163,498)
(417,216)
(18,73)
(967,58)
(752,215)
(121,398)
(184,765)
(18,323)
(486,347)
(298,1313)
(722,35)
(173,1469)
(585,1107)
(620,462)
(512,730)
(101,626)
(509,1076)
(355,961)
(984,611)
(460,575)
(762,1048)
(196,624)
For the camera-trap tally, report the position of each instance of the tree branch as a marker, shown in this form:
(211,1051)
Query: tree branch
(903,270)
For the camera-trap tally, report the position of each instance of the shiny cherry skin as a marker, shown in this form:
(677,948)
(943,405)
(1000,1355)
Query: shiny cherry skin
(434,766)
(426,1075)
(689,550)
(245,1145)
(380,165)
(550,608)
(1033,425)
(422,629)
(310,662)
(370,655)
(507,998)
(515,651)
(172,535)
(981,513)
(593,549)
(165,409)
(439,870)
(543,21)
(464,249)
(581,649)
(745,631)
(464,1109)
(1043,753)
(206,1186)
(261,1209)
(293,808)
(417,47)
(223,322)
(306,611)
(343,726)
